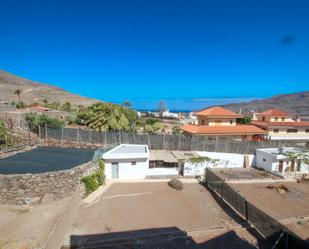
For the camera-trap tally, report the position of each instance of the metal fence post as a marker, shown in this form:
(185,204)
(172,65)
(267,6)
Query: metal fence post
(46,131)
(39,131)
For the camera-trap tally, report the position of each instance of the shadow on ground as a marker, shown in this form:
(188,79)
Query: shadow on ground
(163,238)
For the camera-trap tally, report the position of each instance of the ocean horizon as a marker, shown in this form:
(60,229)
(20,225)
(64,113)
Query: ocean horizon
(182,104)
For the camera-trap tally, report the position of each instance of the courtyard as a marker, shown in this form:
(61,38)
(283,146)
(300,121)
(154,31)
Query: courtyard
(142,206)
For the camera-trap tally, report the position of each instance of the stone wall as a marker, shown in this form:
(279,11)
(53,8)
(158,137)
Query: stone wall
(36,188)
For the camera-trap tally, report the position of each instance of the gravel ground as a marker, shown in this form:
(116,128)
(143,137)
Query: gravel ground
(28,227)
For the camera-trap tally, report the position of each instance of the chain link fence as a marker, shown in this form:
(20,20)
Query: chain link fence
(165,141)
(270,228)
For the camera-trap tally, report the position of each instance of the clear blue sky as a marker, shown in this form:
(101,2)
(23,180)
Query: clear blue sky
(172,49)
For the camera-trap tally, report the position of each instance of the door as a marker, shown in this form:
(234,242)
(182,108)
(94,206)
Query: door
(298,165)
(115,170)
(280,166)
(292,166)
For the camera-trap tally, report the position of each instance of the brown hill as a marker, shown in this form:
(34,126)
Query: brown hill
(295,103)
(36,92)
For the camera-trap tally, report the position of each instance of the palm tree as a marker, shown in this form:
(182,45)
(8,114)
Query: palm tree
(18,93)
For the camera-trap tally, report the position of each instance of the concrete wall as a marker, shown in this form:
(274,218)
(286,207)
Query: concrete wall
(34,188)
(265,160)
(126,170)
(270,162)
(225,160)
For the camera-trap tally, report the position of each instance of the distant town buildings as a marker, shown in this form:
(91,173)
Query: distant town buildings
(281,125)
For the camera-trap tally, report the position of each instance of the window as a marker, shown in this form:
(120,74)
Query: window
(264,160)
(283,119)
(276,119)
(231,122)
(203,121)
(133,163)
(307,130)
(263,118)
(291,130)
(276,130)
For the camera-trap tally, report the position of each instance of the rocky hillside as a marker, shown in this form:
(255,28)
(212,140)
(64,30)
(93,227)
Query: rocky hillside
(36,92)
(295,103)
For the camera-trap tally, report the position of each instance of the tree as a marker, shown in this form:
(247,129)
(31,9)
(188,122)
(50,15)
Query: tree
(176,130)
(108,117)
(18,93)
(161,107)
(127,104)
(67,107)
(5,138)
(245,120)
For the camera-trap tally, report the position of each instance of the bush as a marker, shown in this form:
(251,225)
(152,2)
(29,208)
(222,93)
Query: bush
(175,184)
(35,120)
(93,181)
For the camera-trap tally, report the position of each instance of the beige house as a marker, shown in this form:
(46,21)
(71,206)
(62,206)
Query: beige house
(217,121)
(281,125)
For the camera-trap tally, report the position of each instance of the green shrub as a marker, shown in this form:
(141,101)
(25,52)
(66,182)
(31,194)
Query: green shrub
(35,120)
(96,179)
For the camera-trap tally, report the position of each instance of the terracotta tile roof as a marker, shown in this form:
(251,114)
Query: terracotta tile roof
(223,130)
(275,112)
(217,111)
(280,124)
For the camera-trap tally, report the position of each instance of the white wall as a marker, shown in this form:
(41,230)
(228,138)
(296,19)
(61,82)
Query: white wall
(126,170)
(265,160)
(226,160)
(162,171)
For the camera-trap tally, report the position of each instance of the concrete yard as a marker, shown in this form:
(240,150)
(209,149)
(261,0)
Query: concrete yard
(126,207)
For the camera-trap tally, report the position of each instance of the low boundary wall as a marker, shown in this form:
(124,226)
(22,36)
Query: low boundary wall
(34,188)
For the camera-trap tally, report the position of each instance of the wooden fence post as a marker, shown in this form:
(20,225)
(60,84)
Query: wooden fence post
(39,131)
(77,135)
(62,132)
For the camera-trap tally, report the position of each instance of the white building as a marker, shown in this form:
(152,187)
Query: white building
(127,161)
(276,160)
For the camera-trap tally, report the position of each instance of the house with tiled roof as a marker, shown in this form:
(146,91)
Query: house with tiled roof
(217,121)
(281,125)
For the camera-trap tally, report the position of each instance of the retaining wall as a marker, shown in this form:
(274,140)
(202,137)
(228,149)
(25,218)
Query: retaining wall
(34,188)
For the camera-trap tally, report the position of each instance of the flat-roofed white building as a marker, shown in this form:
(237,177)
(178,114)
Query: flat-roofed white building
(127,161)
(277,160)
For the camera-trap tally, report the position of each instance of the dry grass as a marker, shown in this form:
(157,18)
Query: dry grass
(19,211)
(280,188)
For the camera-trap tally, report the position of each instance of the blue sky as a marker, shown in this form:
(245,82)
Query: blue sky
(143,51)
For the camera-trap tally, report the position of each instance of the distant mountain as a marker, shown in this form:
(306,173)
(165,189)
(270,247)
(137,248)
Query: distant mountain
(295,103)
(36,92)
